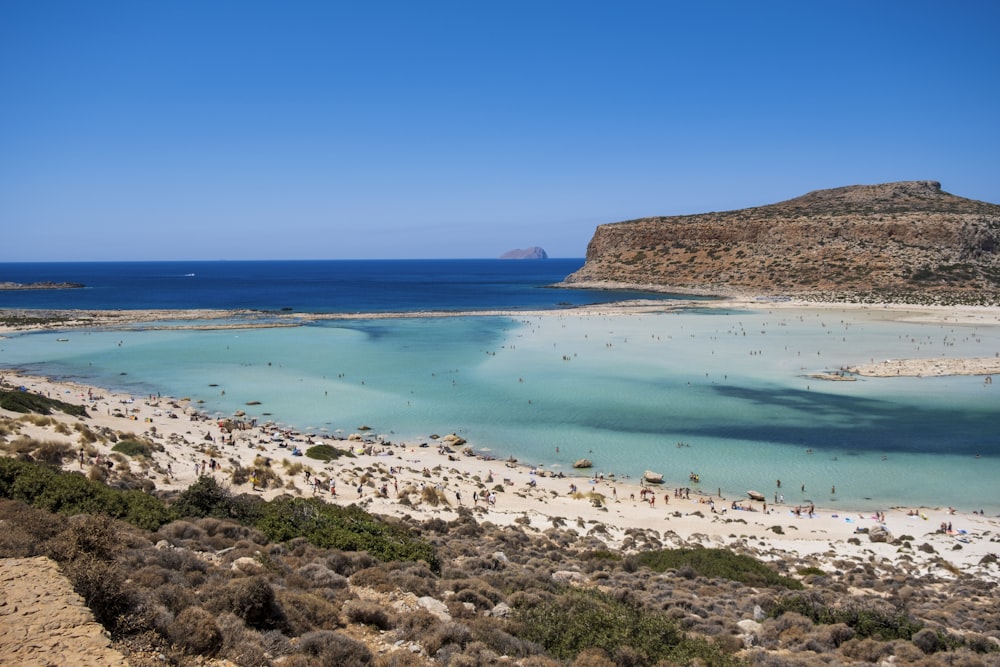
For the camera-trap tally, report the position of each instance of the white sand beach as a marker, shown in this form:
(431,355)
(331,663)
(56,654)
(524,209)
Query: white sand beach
(379,475)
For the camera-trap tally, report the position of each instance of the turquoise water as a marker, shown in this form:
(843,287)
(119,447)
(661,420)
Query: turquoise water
(724,394)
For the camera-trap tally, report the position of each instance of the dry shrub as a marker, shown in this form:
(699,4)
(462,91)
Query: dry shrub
(402,658)
(305,612)
(433,496)
(593,657)
(491,633)
(174,597)
(866,650)
(152,577)
(348,563)
(36,420)
(95,536)
(24,529)
(251,599)
(479,590)
(116,605)
(333,649)
(87,437)
(194,631)
(179,532)
(539,661)
(240,644)
(906,653)
(928,641)
(445,634)
(367,612)
(378,578)
(417,624)
(97,474)
(52,452)
(318,575)
(228,532)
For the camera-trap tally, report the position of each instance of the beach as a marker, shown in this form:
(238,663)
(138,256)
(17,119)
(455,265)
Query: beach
(390,477)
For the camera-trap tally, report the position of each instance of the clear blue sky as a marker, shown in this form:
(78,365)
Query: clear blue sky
(217,129)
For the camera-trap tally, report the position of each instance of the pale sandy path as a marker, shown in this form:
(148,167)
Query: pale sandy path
(44,622)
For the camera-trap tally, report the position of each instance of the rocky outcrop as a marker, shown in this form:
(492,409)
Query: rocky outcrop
(898,241)
(44,622)
(525,253)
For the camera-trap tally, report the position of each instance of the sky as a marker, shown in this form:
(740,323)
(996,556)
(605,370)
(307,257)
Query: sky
(243,129)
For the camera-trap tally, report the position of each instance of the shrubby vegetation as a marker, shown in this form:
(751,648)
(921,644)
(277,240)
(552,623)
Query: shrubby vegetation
(282,519)
(298,583)
(717,563)
(134,448)
(325,453)
(70,493)
(866,620)
(577,620)
(26,402)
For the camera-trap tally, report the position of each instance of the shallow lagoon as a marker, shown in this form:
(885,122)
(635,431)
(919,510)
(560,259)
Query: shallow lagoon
(722,393)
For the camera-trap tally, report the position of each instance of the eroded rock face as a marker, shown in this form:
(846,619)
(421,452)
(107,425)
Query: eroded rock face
(908,237)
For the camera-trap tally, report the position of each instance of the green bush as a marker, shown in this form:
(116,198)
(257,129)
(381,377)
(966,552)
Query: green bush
(866,621)
(719,563)
(25,402)
(71,493)
(324,453)
(205,498)
(345,528)
(568,623)
(133,448)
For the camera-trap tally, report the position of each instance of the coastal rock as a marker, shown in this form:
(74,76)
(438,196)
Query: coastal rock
(435,606)
(879,534)
(525,253)
(502,610)
(898,241)
(247,565)
(584,463)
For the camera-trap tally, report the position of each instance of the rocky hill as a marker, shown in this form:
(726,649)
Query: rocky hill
(907,241)
(525,253)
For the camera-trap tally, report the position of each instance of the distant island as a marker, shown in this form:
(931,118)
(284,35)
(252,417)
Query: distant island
(41,285)
(899,242)
(525,253)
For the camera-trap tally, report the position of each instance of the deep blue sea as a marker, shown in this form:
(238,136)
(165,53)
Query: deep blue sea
(369,286)
(725,393)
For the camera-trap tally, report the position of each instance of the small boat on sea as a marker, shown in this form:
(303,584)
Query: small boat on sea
(652,477)
(756,495)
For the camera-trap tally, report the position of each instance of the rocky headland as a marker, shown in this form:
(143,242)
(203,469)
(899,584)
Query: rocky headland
(892,242)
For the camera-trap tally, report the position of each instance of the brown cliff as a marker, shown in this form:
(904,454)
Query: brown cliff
(907,241)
